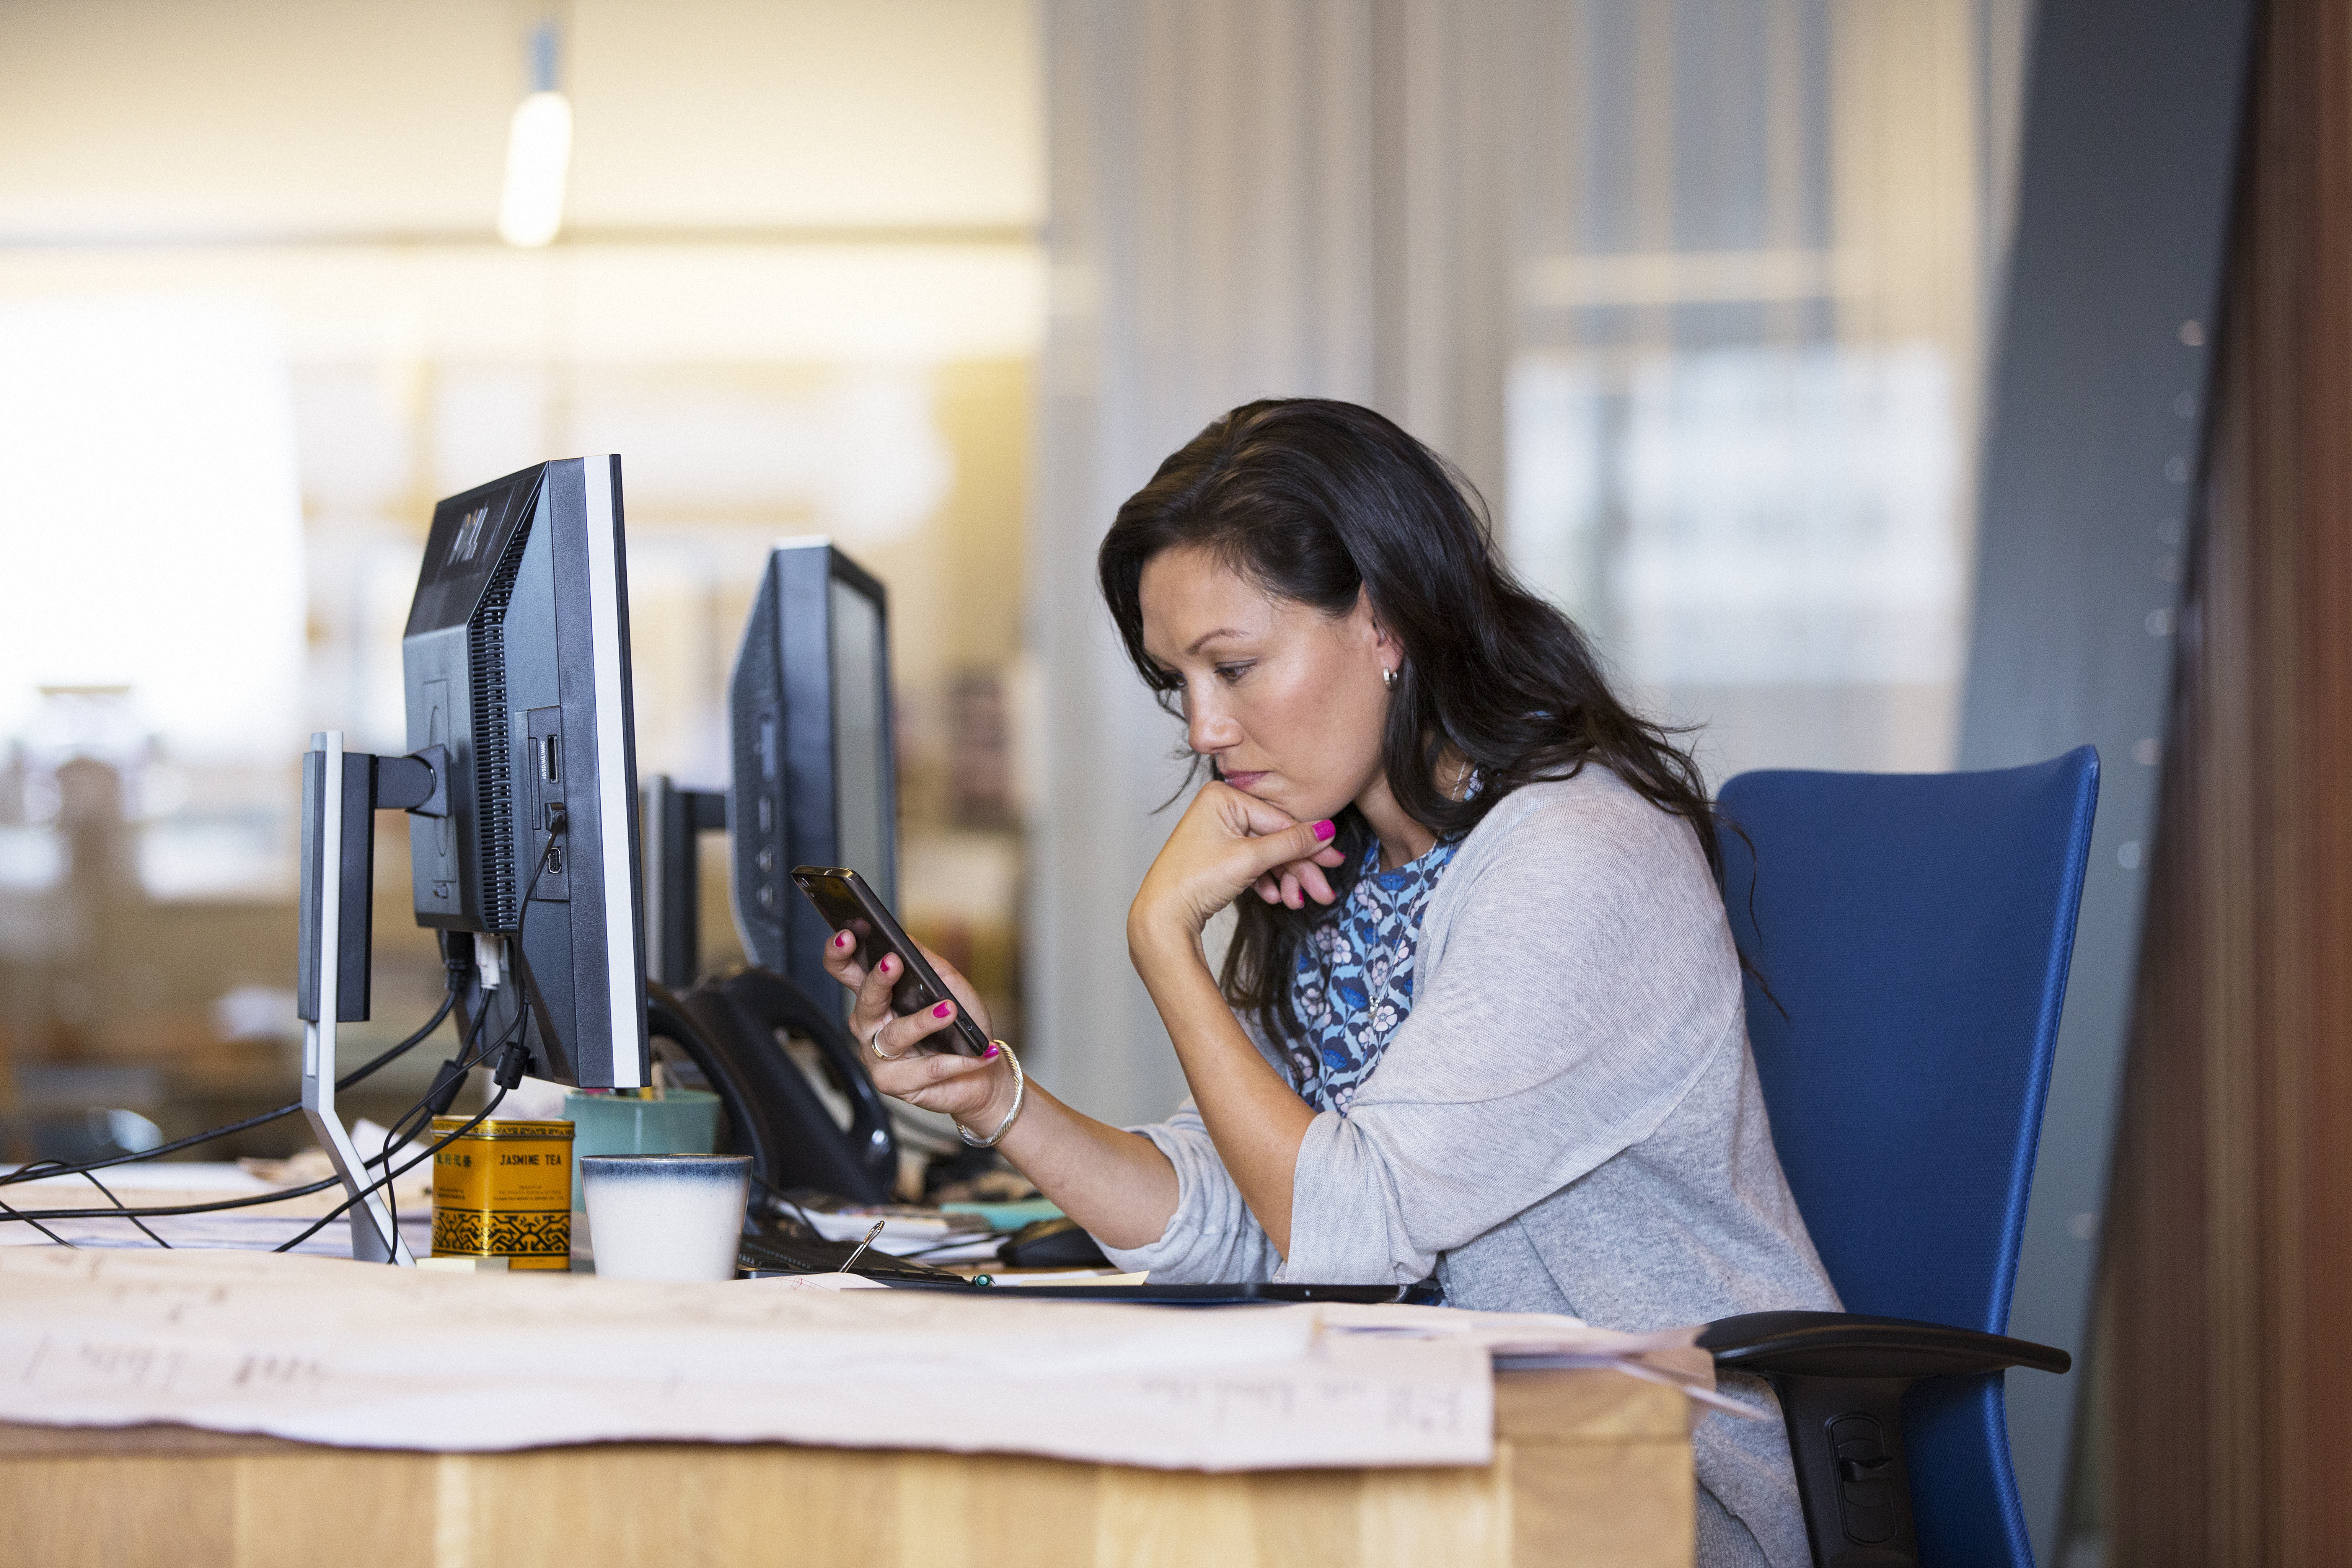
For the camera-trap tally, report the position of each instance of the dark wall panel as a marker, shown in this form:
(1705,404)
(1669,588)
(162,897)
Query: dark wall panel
(2093,440)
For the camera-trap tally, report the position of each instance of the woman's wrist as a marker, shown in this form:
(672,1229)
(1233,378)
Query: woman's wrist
(1003,1089)
(991,1127)
(1155,944)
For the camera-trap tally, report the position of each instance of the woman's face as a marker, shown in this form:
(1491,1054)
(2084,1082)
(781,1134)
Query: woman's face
(1289,701)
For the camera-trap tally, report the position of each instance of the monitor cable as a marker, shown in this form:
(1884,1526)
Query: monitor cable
(455,970)
(38,1166)
(509,1072)
(8,1213)
(514,1058)
(43,1170)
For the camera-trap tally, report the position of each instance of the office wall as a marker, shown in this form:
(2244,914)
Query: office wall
(2226,1324)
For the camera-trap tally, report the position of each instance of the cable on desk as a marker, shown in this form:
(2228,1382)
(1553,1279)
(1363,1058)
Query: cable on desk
(258,1199)
(436,1099)
(42,1169)
(456,970)
(109,1195)
(513,1060)
(449,1001)
(456,1068)
(7,1213)
(445,1083)
(148,1211)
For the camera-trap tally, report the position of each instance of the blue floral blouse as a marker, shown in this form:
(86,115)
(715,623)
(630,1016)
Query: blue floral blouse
(1353,984)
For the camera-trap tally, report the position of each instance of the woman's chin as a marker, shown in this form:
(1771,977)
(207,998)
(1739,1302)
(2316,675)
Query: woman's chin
(1296,803)
(1280,794)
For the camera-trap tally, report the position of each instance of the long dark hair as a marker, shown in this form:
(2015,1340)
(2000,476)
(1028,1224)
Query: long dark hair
(1315,500)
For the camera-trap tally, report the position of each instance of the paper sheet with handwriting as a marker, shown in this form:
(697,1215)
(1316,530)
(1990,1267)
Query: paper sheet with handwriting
(333,1351)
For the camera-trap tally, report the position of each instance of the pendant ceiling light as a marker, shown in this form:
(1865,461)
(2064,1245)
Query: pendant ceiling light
(538,153)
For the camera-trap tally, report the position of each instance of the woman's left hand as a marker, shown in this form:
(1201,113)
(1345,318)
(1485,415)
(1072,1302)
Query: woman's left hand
(1226,842)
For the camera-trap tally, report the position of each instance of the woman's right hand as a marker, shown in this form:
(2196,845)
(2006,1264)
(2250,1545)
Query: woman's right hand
(975,1090)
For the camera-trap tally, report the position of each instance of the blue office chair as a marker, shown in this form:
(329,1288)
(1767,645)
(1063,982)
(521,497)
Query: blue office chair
(1912,933)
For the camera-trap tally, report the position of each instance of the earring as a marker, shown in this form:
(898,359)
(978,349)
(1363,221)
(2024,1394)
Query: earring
(1388,678)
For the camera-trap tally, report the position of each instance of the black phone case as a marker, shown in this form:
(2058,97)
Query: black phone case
(921,987)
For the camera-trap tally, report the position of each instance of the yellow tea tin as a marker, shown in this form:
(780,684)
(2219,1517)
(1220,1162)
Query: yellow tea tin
(503,1190)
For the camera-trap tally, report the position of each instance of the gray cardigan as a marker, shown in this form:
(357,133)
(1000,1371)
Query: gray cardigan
(1569,1122)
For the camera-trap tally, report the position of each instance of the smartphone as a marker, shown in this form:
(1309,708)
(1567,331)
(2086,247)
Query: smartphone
(842,897)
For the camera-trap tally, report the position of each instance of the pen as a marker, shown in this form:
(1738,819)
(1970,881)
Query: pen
(862,1246)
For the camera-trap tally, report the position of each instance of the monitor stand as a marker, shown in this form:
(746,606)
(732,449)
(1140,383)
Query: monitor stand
(372,1220)
(675,820)
(338,801)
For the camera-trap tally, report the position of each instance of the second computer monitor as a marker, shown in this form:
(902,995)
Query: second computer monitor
(815,774)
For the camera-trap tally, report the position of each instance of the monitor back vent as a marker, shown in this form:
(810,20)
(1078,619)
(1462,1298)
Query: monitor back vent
(486,656)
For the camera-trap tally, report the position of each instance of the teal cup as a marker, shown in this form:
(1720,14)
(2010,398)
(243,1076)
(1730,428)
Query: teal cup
(682,1122)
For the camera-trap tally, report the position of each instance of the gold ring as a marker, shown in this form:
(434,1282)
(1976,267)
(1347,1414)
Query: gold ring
(876,1045)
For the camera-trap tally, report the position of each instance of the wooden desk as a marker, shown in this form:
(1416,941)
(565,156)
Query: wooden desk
(1592,1467)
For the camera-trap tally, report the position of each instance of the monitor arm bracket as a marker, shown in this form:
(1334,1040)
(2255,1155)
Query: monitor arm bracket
(418,783)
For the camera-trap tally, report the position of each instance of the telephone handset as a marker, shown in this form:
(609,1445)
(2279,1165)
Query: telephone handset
(727,1027)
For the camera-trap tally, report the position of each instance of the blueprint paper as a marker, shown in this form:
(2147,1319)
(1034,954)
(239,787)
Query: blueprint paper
(332,1352)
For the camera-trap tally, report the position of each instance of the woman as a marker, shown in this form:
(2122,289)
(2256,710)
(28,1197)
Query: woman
(1481,1015)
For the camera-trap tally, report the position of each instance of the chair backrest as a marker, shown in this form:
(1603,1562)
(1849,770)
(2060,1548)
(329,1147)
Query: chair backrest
(1913,930)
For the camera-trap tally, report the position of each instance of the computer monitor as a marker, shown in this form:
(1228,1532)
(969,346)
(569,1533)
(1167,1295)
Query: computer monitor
(516,659)
(815,774)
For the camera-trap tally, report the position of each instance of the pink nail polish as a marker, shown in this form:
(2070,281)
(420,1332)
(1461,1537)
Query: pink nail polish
(989,1054)
(1324,830)
(943,1009)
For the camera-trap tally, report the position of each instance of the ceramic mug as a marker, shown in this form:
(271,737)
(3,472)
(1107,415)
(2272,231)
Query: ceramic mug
(666,1216)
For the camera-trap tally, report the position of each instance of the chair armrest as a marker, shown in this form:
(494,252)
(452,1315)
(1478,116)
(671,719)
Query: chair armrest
(1841,1378)
(1847,1344)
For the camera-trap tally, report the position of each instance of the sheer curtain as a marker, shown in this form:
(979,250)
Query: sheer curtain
(1691,289)
(1270,197)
